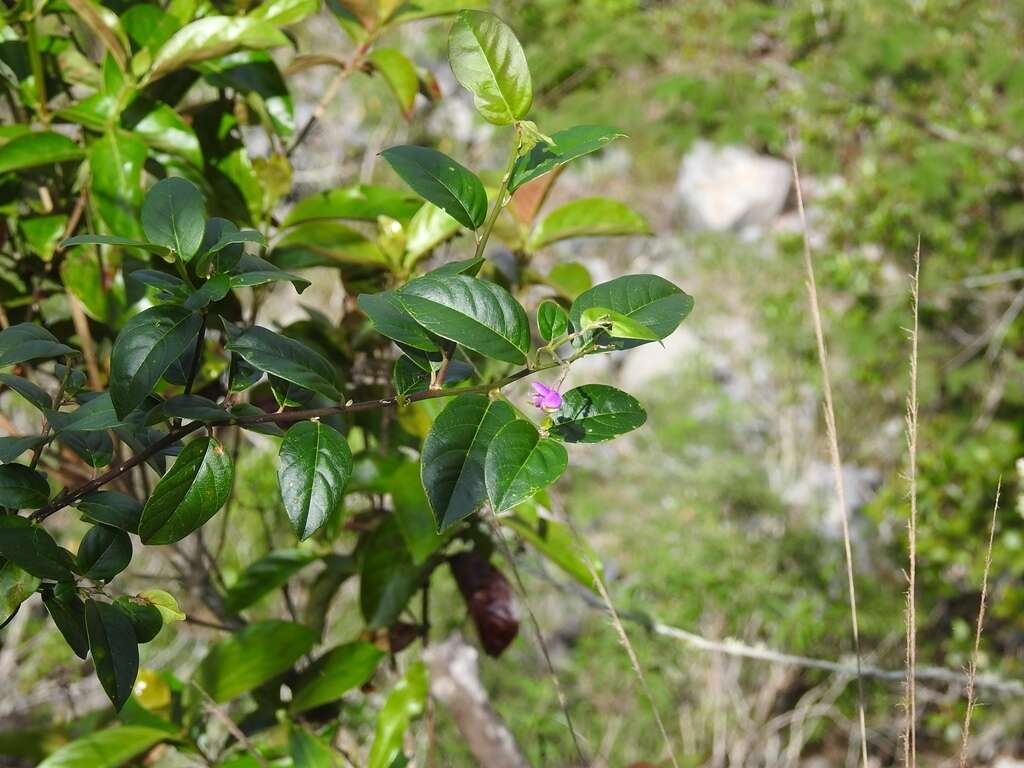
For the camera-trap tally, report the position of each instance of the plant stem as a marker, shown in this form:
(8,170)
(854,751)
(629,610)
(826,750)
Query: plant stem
(197,356)
(57,400)
(499,202)
(69,497)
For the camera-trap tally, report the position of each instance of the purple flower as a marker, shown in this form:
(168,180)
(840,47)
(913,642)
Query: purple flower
(545,398)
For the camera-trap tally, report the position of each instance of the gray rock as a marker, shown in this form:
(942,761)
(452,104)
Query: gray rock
(732,188)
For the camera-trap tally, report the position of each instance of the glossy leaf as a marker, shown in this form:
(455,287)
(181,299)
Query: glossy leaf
(161,127)
(413,514)
(214,289)
(569,145)
(283,12)
(309,751)
(146,347)
(390,317)
(115,180)
(213,36)
(265,575)
(94,415)
(338,671)
(145,619)
(478,314)
(315,465)
(111,508)
(12,447)
(552,320)
(68,613)
(429,228)
(594,413)
(400,75)
(650,300)
(288,359)
(34,149)
(488,61)
(588,217)
(454,454)
(519,463)
(109,748)
(252,271)
(250,657)
(165,603)
(174,216)
(194,408)
(192,491)
(440,180)
(28,341)
(21,487)
(115,653)
(103,553)
(105,25)
(123,242)
(403,705)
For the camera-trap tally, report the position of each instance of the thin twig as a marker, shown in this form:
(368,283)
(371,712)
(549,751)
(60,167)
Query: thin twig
(972,670)
(539,636)
(232,727)
(833,444)
(81,323)
(910,731)
(620,630)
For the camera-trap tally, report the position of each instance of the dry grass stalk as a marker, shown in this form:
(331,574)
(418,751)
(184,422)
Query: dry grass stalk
(620,631)
(836,460)
(972,670)
(910,701)
(563,702)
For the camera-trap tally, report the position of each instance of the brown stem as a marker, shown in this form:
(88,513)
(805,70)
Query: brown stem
(69,497)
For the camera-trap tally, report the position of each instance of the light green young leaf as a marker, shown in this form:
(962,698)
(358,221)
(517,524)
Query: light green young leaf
(649,300)
(211,37)
(404,704)
(588,217)
(109,748)
(488,61)
(568,145)
(615,324)
(115,178)
(400,75)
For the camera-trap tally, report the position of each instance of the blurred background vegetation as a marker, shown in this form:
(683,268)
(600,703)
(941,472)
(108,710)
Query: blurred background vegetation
(908,122)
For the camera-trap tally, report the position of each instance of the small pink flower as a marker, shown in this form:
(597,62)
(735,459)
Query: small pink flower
(545,398)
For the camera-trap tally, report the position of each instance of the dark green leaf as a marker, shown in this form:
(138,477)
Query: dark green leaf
(12,447)
(255,73)
(214,289)
(111,508)
(488,61)
(478,314)
(104,553)
(123,242)
(252,270)
(145,618)
(404,703)
(315,465)
(68,613)
(146,347)
(650,300)
(16,586)
(337,570)
(174,216)
(28,341)
(588,217)
(211,37)
(309,751)
(251,657)
(35,394)
(21,487)
(108,748)
(387,576)
(115,653)
(265,575)
(519,463)
(412,513)
(250,411)
(94,448)
(390,317)
(409,377)
(191,492)
(338,671)
(569,144)
(470,267)
(594,413)
(288,359)
(194,408)
(440,180)
(95,415)
(34,149)
(454,452)
(552,320)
